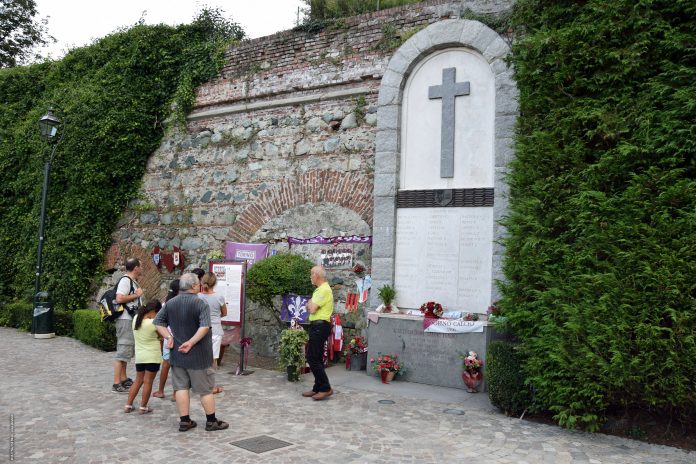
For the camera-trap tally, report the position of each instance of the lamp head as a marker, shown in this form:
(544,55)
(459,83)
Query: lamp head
(48,124)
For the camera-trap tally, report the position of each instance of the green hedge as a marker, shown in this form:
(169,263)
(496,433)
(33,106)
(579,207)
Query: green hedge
(505,378)
(20,315)
(90,330)
(63,322)
(600,255)
(84,325)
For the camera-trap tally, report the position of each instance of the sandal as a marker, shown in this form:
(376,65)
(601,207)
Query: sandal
(185,426)
(158,395)
(128,408)
(144,410)
(217,390)
(217,425)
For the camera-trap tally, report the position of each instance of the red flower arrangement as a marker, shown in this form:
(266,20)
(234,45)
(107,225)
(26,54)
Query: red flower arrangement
(387,362)
(432,309)
(356,345)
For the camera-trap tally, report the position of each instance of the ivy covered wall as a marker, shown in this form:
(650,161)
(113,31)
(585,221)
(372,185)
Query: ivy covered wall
(601,254)
(116,95)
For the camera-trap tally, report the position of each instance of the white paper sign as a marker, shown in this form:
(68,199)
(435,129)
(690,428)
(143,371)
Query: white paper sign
(229,285)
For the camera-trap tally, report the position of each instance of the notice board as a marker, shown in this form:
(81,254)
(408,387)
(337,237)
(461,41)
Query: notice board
(230,284)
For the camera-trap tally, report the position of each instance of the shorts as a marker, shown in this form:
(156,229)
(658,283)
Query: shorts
(217,341)
(200,381)
(125,343)
(149,367)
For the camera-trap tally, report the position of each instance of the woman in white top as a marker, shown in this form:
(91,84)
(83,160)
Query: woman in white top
(218,310)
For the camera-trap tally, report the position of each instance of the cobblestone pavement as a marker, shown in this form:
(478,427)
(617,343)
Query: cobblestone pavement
(56,406)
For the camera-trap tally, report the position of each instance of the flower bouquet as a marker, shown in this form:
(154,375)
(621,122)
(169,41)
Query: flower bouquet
(432,309)
(356,354)
(472,374)
(359,270)
(356,345)
(387,366)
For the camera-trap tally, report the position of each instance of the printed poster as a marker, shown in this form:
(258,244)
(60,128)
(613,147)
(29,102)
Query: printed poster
(231,286)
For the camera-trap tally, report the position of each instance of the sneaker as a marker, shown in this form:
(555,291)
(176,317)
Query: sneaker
(127,383)
(217,425)
(119,388)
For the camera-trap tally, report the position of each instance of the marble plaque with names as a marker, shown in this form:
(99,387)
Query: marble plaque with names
(444,255)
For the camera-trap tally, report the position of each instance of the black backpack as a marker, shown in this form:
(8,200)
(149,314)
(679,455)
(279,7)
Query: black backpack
(108,308)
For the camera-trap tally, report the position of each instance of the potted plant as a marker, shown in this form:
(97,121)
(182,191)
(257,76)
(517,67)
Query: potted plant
(387,365)
(387,294)
(356,354)
(472,374)
(292,351)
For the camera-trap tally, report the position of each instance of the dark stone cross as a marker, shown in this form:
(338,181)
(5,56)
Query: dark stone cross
(448,91)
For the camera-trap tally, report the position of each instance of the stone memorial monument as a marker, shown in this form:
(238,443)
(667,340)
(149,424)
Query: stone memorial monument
(447,109)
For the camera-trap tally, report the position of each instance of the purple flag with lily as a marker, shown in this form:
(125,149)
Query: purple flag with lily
(294,307)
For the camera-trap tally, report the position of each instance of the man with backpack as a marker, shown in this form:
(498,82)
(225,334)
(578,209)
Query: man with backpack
(129,294)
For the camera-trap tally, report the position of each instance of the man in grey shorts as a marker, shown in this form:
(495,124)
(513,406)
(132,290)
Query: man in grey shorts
(128,293)
(191,352)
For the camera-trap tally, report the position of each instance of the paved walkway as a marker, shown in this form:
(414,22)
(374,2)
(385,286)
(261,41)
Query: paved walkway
(55,395)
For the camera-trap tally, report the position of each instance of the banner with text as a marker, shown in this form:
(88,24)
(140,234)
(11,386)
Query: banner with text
(250,252)
(451,325)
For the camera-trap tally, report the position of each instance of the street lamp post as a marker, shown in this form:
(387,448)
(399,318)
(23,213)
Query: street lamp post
(49,125)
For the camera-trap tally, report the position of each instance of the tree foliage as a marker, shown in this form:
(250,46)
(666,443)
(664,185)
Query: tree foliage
(319,10)
(20,32)
(601,255)
(115,95)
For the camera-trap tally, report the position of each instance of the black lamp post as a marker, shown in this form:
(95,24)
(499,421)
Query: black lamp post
(49,125)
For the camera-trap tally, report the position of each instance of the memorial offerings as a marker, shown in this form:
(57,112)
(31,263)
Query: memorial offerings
(444,227)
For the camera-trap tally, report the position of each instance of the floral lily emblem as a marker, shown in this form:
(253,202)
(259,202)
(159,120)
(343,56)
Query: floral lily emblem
(297,307)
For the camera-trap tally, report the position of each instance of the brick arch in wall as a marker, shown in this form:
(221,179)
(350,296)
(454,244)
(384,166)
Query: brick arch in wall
(150,279)
(352,190)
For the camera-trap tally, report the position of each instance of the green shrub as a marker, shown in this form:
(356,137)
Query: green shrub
(505,378)
(5,316)
(63,321)
(276,275)
(90,330)
(600,253)
(21,315)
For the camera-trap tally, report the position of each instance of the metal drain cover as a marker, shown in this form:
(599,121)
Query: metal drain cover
(385,402)
(456,412)
(261,444)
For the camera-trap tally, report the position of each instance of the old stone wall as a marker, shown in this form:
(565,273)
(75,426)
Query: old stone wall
(281,144)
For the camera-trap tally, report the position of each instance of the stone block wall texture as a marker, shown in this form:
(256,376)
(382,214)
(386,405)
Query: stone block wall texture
(291,121)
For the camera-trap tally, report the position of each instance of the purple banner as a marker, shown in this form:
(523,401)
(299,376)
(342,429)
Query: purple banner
(294,307)
(251,252)
(319,240)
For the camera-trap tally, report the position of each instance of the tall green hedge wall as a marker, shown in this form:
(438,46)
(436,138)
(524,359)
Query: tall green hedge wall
(115,95)
(601,254)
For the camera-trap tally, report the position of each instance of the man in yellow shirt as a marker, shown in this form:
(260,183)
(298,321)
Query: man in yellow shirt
(320,310)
